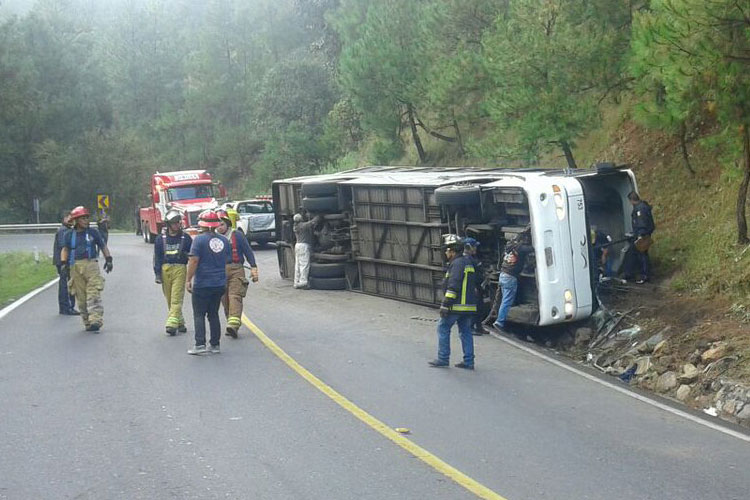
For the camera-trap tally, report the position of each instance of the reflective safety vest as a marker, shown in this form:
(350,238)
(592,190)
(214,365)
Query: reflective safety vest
(180,250)
(461,286)
(91,254)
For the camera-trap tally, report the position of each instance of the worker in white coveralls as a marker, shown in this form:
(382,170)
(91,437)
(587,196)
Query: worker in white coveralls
(305,235)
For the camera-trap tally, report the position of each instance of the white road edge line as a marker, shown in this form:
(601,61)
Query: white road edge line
(627,392)
(6,310)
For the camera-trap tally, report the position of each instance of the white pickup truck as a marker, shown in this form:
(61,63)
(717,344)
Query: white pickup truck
(257,220)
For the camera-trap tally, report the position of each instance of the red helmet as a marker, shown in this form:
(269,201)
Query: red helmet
(208,218)
(79,211)
(222,214)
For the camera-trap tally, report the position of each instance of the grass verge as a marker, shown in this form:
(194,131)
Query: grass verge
(20,274)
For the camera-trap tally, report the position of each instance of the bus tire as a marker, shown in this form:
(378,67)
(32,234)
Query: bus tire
(331,257)
(328,283)
(321,204)
(319,189)
(327,270)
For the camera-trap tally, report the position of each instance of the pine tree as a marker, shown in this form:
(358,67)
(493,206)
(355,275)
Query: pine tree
(700,52)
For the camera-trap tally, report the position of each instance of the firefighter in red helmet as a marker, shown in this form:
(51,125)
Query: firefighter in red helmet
(79,255)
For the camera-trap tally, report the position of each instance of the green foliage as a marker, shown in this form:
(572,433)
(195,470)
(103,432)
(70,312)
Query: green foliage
(95,163)
(698,51)
(550,63)
(95,96)
(20,274)
(383,152)
(382,65)
(49,91)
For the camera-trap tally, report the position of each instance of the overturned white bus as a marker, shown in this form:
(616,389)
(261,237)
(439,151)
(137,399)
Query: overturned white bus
(382,227)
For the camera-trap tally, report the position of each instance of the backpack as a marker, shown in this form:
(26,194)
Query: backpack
(510,258)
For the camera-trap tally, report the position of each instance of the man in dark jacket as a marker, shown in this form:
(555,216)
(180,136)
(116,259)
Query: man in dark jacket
(65,300)
(643,225)
(601,262)
(514,259)
(103,226)
(459,304)
(471,248)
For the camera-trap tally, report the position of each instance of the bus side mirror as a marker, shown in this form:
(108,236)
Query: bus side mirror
(222,190)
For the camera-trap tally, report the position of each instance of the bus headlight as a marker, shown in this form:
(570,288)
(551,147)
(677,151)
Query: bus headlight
(569,307)
(559,202)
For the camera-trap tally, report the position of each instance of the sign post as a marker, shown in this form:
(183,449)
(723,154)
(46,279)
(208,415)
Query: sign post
(102,201)
(36,208)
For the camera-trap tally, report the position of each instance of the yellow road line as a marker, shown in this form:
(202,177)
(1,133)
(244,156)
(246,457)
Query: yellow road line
(462,479)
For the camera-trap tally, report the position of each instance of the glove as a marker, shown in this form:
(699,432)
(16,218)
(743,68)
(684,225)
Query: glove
(108,264)
(158,280)
(254,274)
(444,311)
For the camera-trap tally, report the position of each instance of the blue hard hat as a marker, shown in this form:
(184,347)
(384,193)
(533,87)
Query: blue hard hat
(471,242)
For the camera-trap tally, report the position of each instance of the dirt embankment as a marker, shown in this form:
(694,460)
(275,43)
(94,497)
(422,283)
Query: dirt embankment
(685,335)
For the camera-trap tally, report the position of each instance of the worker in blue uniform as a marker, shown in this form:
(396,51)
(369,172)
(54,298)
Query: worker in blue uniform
(459,305)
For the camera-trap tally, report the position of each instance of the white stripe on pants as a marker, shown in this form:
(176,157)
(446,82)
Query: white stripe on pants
(301,264)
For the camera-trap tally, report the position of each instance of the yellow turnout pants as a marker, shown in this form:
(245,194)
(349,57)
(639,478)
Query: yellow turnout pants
(236,291)
(86,284)
(173,286)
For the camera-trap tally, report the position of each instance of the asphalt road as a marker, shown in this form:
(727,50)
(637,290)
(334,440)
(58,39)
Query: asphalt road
(128,414)
(26,242)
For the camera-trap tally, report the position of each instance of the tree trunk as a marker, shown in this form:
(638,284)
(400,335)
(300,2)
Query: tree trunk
(415,134)
(683,148)
(459,139)
(742,194)
(565,145)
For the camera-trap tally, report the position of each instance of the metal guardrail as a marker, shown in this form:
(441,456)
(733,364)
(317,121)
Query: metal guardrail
(29,227)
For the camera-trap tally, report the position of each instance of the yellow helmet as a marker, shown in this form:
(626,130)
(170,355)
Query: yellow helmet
(233,216)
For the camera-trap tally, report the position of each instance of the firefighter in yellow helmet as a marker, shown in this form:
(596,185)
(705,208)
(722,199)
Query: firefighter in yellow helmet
(79,254)
(236,280)
(234,217)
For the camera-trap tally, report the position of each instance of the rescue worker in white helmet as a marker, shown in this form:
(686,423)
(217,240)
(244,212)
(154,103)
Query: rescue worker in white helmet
(170,267)
(459,303)
(79,255)
(236,280)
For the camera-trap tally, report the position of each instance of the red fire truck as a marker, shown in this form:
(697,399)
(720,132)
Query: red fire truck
(189,191)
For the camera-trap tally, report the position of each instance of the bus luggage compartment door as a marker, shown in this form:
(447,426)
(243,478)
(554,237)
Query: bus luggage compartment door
(581,256)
